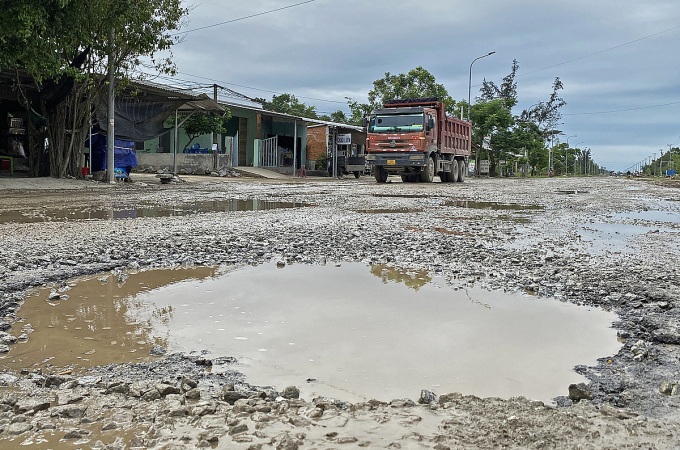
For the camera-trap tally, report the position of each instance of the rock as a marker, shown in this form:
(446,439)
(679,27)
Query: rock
(667,335)
(31,406)
(204,409)
(667,387)
(427,397)
(232,396)
(55,380)
(6,379)
(15,429)
(299,421)
(242,428)
(291,392)
(110,426)
(286,442)
(118,388)
(193,394)
(73,434)
(151,395)
(166,389)
(402,403)
(157,350)
(88,380)
(580,391)
(188,384)
(68,411)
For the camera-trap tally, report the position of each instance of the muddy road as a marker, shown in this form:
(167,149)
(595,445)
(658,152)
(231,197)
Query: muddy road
(608,244)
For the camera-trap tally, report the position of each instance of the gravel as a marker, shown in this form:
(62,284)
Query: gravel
(608,242)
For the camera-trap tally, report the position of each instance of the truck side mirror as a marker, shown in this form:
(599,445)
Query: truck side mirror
(430,123)
(365,122)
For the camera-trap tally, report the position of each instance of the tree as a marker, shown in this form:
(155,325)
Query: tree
(199,124)
(546,115)
(417,83)
(61,46)
(491,118)
(507,92)
(358,110)
(288,104)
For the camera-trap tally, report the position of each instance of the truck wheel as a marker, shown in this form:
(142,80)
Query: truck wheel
(427,174)
(357,174)
(462,171)
(380,174)
(453,175)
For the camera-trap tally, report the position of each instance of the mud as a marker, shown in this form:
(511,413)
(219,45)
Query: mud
(178,401)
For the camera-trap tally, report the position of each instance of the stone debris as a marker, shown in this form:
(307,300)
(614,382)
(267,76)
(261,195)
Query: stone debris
(565,249)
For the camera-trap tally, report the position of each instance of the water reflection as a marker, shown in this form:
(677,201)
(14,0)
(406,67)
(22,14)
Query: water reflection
(414,279)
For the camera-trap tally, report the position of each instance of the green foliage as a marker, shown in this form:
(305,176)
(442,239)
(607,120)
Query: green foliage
(63,45)
(200,124)
(44,37)
(417,83)
(322,162)
(358,110)
(546,115)
(507,92)
(288,104)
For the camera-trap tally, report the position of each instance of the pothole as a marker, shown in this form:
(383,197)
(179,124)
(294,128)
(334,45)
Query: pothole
(351,331)
(141,211)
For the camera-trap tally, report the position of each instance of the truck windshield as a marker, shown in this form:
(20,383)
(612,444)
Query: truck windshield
(405,123)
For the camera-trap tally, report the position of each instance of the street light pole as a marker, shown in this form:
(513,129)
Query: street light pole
(477,154)
(470,80)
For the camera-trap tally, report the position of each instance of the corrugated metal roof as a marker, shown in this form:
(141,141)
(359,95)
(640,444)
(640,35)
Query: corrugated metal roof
(241,103)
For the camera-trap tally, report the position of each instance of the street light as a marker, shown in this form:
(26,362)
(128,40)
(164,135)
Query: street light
(470,80)
(477,155)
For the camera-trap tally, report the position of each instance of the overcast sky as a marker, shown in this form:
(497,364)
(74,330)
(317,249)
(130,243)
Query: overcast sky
(619,60)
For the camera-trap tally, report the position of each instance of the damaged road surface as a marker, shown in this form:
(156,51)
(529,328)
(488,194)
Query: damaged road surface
(117,333)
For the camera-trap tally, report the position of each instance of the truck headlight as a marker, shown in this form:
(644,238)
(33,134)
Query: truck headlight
(370,157)
(416,157)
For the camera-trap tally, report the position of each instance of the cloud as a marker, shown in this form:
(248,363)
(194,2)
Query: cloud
(610,56)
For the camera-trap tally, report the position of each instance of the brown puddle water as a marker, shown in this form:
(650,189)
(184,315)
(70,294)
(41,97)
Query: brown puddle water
(351,332)
(140,211)
(97,324)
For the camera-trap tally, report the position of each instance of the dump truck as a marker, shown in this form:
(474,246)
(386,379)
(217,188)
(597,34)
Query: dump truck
(414,138)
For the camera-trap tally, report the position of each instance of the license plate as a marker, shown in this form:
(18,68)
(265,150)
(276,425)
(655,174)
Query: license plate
(391,162)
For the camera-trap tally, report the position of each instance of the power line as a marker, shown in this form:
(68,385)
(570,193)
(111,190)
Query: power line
(259,89)
(243,18)
(620,110)
(601,51)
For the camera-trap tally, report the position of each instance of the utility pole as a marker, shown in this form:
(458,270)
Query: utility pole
(110,136)
(214,136)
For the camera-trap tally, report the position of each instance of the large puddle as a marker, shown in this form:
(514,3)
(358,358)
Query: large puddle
(351,331)
(51,214)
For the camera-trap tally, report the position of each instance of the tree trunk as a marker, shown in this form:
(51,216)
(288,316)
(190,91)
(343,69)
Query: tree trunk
(66,123)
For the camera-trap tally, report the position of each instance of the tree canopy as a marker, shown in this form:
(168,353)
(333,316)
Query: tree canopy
(288,104)
(62,45)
